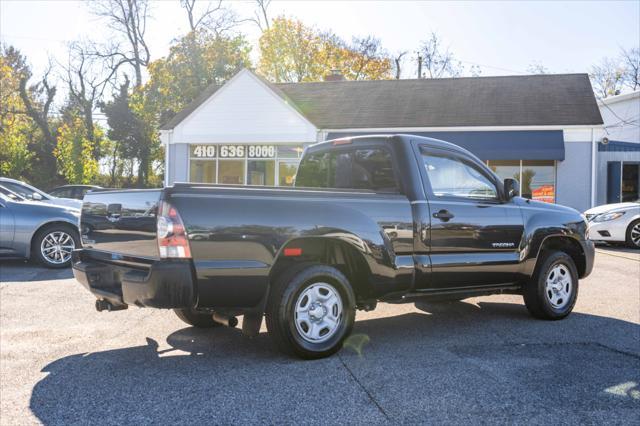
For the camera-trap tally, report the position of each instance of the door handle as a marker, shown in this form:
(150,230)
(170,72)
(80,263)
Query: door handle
(443,215)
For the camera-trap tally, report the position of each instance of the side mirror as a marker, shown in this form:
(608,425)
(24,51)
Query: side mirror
(511,188)
(36,196)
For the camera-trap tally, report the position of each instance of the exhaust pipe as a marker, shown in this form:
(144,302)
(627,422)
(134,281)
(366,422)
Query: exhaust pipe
(225,320)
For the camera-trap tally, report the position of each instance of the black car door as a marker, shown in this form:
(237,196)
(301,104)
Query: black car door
(474,236)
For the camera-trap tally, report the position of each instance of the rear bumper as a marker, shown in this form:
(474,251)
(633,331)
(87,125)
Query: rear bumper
(134,281)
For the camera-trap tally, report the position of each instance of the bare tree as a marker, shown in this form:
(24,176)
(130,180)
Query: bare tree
(39,109)
(260,16)
(214,18)
(631,60)
(436,60)
(397,59)
(607,77)
(38,103)
(86,79)
(537,68)
(128,19)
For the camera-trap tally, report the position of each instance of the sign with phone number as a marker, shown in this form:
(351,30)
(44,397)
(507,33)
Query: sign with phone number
(234,151)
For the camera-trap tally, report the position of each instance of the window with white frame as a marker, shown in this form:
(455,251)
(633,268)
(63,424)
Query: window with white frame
(537,177)
(240,164)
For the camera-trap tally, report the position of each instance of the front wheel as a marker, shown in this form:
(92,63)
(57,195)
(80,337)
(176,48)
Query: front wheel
(552,291)
(633,234)
(311,310)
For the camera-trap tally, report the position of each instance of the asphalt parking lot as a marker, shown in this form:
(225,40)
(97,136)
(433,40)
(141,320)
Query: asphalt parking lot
(483,360)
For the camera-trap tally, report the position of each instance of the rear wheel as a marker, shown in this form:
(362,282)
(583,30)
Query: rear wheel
(633,234)
(53,244)
(196,319)
(552,291)
(311,310)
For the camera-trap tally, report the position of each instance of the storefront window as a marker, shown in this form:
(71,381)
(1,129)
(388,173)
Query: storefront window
(290,151)
(261,172)
(239,164)
(203,171)
(287,173)
(231,172)
(538,180)
(537,177)
(506,168)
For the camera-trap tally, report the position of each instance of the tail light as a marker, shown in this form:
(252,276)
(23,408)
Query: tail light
(172,237)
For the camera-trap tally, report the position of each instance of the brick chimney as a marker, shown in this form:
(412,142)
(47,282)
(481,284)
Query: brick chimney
(335,75)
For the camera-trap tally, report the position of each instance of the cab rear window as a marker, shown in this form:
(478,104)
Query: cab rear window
(365,168)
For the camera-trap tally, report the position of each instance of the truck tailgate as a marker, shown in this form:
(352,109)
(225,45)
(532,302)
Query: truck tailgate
(121,221)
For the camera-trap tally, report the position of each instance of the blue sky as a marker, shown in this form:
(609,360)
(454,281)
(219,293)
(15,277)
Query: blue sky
(502,37)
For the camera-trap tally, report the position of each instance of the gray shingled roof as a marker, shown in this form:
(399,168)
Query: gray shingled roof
(536,100)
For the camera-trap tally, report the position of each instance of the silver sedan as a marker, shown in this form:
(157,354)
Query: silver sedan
(32,229)
(618,222)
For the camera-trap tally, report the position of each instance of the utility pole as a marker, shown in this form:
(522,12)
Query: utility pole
(419,65)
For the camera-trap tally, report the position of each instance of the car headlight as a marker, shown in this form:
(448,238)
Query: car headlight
(605,217)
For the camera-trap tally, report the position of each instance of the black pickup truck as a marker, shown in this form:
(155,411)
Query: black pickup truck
(372,219)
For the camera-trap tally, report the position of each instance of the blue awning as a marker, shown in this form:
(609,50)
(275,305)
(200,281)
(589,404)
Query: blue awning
(495,145)
(618,146)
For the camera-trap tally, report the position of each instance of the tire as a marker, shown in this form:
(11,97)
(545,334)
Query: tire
(633,232)
(556,300)
(325,303)
(52,245)
(196,319)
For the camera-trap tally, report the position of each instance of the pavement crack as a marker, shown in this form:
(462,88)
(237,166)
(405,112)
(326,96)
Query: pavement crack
(369,395)
(618,351)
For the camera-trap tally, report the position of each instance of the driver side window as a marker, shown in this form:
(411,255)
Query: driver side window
(450,176)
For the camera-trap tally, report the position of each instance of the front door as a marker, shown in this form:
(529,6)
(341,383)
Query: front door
(475,236)
(7,227)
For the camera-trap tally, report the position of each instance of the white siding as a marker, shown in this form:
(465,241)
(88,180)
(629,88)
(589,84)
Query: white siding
(245,110)
(573,176)
(621,116)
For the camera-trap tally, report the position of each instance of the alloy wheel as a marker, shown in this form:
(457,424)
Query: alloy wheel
(56,247)
(635,234)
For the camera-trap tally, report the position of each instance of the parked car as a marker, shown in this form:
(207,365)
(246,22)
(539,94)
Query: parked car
(615,223)
(32,193)
(372,219)
(72,191)
(31,229)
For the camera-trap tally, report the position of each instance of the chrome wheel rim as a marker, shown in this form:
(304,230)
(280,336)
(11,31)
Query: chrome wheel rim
(56,247)
(635,234)
(559,286)
(318,312)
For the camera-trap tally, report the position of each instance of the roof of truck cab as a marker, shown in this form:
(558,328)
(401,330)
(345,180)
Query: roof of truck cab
(401,138)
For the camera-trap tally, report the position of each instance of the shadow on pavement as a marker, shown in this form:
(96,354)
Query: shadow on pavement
(451,364)
(18,270)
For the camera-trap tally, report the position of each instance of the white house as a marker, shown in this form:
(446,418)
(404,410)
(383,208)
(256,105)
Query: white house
(618,168)
(543,128)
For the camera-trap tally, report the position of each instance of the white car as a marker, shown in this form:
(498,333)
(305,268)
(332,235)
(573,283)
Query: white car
(615,223)
(34,194)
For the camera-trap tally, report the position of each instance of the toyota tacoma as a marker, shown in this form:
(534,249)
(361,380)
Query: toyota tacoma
(398,219)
